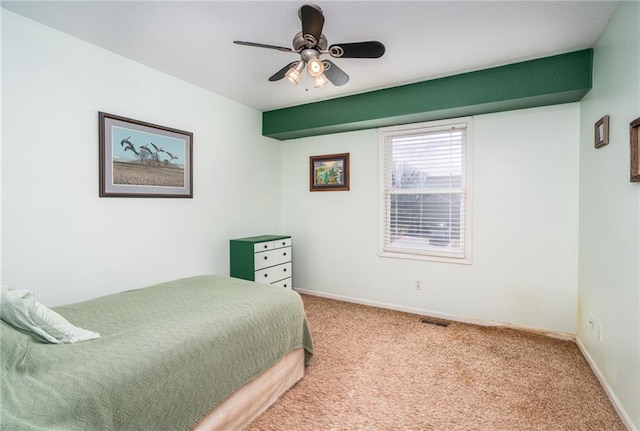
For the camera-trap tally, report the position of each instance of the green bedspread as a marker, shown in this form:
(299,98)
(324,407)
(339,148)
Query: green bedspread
(168,354)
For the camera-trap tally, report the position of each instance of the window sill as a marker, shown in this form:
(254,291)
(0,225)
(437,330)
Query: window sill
(425,257)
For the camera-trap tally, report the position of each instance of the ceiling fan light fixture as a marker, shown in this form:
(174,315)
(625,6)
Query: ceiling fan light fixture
(319,81)
(315,67)
(293,74)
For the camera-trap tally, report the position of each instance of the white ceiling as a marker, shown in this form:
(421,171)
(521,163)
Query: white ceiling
(192,40)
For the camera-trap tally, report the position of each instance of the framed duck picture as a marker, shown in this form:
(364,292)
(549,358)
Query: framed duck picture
(139,159)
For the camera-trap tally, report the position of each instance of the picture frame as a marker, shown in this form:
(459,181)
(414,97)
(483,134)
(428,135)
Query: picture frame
(329,172)
(634,143)
(140,159)
(601,132)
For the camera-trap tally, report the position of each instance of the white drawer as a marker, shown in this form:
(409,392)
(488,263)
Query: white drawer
(284,242)
(286,283)
(269,258)
(270,245)
(263,246)
(274,273)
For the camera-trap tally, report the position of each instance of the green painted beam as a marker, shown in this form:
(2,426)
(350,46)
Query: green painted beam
(552,80)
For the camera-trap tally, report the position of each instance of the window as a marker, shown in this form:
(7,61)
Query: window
(425,202)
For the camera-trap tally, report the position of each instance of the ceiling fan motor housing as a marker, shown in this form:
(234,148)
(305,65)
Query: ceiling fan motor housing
(299,42)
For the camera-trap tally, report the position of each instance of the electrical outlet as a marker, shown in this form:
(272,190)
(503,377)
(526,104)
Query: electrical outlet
(417,285)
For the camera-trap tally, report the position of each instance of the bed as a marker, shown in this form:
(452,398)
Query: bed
(199,353)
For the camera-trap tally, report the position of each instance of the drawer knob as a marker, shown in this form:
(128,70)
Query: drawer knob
(265,246)
(284,254)
(285,285)
(285,269)
(266,275)
(265,258)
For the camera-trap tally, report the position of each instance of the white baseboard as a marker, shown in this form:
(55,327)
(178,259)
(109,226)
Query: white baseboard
(438,315)
(607,389)
(560,335)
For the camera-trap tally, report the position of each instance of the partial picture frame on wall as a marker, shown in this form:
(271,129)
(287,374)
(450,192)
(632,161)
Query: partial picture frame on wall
(634,143)
(601,132)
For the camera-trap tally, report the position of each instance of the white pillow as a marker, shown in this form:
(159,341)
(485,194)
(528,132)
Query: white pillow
(20,309)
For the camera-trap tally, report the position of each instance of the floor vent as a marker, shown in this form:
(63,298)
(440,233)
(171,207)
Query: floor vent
(434,322)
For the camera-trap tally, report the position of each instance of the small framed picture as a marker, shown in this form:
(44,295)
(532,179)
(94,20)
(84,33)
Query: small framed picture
(601,132)
(634,132)
(329,173)
(139,159)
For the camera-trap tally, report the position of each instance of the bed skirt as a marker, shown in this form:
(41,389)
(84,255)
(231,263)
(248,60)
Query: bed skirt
(252,399)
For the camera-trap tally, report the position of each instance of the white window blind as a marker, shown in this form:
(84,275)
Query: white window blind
(425,191)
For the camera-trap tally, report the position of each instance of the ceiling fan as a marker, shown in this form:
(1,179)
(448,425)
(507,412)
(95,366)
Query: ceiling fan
(310,43)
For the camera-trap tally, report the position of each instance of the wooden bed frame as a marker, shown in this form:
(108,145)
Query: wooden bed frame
(255,397)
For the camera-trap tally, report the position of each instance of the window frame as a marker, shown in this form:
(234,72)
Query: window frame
(427,127)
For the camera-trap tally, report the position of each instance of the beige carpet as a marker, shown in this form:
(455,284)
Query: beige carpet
(377,369)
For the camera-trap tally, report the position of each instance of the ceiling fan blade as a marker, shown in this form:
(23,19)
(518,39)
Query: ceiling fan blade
(280,73)
(262,45)
(334,74)
(372,49)
(312,23)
